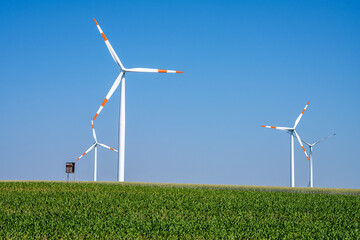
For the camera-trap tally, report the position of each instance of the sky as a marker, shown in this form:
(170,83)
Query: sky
(245,63)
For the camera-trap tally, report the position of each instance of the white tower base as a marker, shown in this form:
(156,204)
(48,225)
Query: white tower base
(292,167)
(121,164)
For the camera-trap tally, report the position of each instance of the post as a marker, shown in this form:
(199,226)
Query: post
(95,163)
(121,164)
(292,167)
(311,169)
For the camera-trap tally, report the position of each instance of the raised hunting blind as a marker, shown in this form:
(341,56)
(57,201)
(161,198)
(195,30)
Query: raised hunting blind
(70,171)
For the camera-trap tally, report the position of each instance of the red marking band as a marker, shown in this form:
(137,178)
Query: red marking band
(104,102)
(103,35)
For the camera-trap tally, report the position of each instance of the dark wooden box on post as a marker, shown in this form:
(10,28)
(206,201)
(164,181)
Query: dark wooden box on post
(70,167)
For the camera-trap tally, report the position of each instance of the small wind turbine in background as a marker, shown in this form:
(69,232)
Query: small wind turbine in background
(95,146)
(292,132)
(311,182)
(121,78)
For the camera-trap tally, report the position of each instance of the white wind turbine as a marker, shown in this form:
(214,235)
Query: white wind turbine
(292,132)
(121,79)
(95,146)
(311,183)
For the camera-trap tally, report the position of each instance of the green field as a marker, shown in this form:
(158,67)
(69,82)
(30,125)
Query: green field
(54,210)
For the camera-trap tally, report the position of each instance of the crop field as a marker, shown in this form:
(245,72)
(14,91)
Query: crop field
(55,210)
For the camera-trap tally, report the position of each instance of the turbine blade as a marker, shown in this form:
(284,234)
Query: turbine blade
(110,93)
(93,129)
(300,116)
(298,138)
(111,50)
(306,142)
(86,151)
(151,70)
(324,139)
(279,128)
(103,145)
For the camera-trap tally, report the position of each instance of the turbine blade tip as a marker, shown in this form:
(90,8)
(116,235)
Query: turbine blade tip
(262,126)
(179,71)
(95,21)
(308,103)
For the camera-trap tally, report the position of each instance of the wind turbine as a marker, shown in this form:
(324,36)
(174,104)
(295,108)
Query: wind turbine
(311,161)
(121,79)
(292,132)
(95,146)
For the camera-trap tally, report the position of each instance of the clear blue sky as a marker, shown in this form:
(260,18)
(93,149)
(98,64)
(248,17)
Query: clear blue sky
(246,63)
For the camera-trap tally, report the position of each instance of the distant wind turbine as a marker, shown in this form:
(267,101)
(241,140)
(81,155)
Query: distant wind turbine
(292,132)
(95,146)
(311,183)
(121,78)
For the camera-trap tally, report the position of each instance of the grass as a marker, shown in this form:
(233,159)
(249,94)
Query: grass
(54,210)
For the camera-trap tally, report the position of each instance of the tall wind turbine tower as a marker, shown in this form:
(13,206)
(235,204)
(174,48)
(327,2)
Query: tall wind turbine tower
(95,145)
(292,132)
(121,79)
(311,183)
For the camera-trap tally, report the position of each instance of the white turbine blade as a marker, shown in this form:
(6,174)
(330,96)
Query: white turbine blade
(300,116)
(111,50)
(324,139)
(298,138)
(93,129)
(151,70)
(103,145)
(86,151)
(306,142)
(279,128)
(110,93)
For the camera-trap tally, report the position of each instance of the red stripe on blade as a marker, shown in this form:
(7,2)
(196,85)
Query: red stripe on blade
(103,35)
(104,102)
